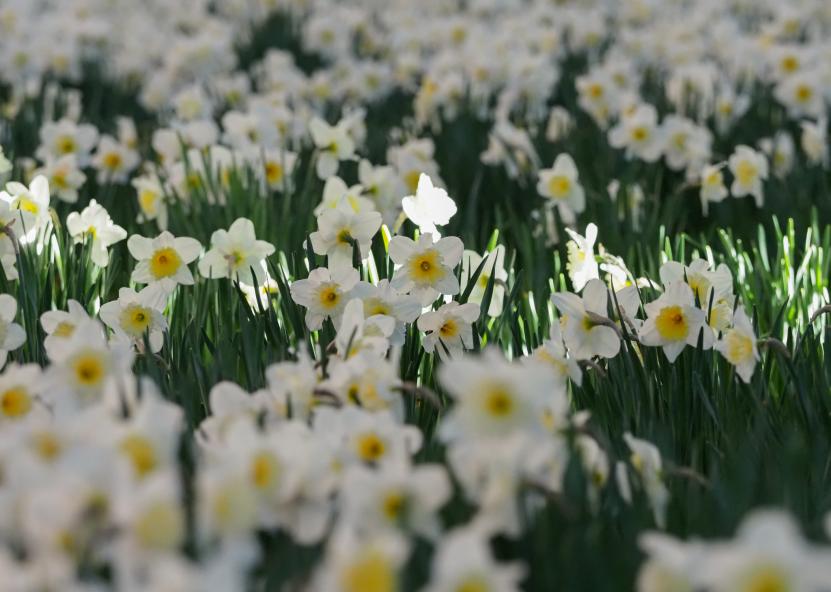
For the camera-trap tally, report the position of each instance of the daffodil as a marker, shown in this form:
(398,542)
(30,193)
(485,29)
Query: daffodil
(114,161)
(12,335)
(341,230)
(585,322)
(429,207)
(713,189)
(646,460)
(163,259)
(150,195)
(673,321)
(324,293)
(32,202)
(561,185)
(425,268)
(582,265)
(333,143)
(136,314)
(449,329)
(639,134)
(59,325)
(19,392)
(749,169)
(738,345)
(64,137)
(94,224)
(236,253)
(494,267)
(65,177)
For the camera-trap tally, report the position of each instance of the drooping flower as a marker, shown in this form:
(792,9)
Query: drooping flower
(582,266)
(449,329)
(750,169)
(94,224)
(738,345)
(581,319)
(334,144)
(494,268)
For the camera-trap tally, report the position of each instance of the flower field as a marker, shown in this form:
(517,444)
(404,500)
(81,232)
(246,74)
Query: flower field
(429,296)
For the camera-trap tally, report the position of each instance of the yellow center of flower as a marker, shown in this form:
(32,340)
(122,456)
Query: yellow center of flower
(165,263)
(370,447)
(329,297)
(46,445)
(714,179)
(148,200)
(112,161)
(64,329)
(640,133)
(498,401)
(746,172)
(804,93)
(59,180)
(739,347)
(345,237)
(141,453)
(160,526)
(595,90)
(449,329)
(559,186)
(425,268)
(135,319)
(89,369)
(790,64)
(376,307)
(393,505)
(26,204)
(264,470)
(15,402)
(672,323)
(273,172)
(473,583)
(370,572)
(766,579)
(65,145)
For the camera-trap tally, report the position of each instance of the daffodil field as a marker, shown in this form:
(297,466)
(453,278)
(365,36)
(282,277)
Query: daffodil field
(415,295)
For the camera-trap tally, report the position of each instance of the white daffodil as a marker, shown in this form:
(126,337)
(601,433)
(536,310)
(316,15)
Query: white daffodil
(494,268)
(449,329)
(359,334)
(114,161)
(340,229)
(429,207)
(750,169)
(639,134)
(163,259)
(395,497)
(493,396)
(464,562)
(713,189)
(67,137)
(19,392)
(277,168)
(135,314)
(581,265)
(582,321)
(236,253)
(673,321)
(686,145)
(425,268)
(738,345)
(65,177)
(813,141)
(646,460)
(85,368)
(60,325)
(324,293)
(337,194)
(32,202)
(150,195)
(94,224)
(12,335)
(553,355)
(382,186)
(333,143)
(561,184)
(384,300)
(707,285)
(803,94)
